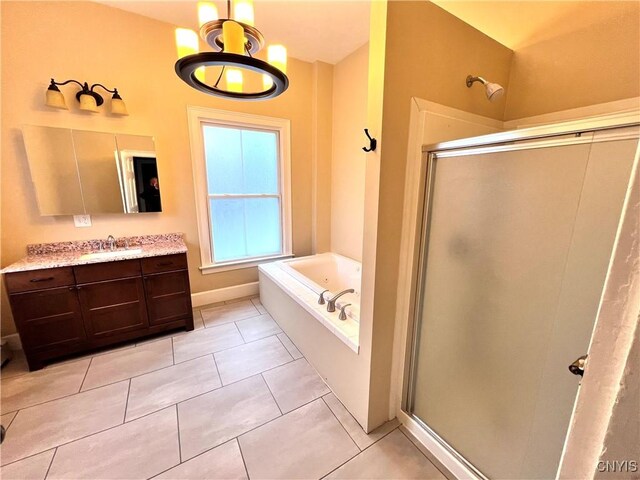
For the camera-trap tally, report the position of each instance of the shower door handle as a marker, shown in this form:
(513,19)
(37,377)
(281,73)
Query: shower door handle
(577,367)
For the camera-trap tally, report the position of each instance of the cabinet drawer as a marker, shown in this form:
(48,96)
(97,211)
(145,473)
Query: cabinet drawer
(39,279)
(48,319)
(99,272)
(168,296)
(166,263)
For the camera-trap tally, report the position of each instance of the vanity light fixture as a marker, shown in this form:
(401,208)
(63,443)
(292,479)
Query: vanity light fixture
(234,40)
(89,99)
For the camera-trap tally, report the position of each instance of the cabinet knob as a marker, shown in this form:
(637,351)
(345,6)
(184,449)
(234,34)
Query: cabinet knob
(71,289)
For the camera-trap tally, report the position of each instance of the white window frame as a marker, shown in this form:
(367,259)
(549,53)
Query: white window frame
(201,116)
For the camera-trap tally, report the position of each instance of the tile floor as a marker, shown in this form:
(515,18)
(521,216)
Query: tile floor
(233,399)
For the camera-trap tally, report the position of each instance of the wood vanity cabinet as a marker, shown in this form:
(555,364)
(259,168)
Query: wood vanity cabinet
(67,310)
(166,281)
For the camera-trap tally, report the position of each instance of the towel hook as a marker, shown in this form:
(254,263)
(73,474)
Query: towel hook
(373,143)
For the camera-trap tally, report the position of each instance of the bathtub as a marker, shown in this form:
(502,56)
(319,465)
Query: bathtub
(303,279)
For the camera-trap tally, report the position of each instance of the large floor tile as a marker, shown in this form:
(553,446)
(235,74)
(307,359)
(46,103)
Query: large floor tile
(247,360)
(156,390)
(208,340)
(295,384)
(214,418)
(7,418)
(198,323)
(45,426)
(258,327)
(43,385)
(288,344)
(354,429)
(136,450)
(258,305)
(221,463)
(32,468)
(236,300)
(16,366)
(392,457)
(306,443)
(228,313)
(116,366)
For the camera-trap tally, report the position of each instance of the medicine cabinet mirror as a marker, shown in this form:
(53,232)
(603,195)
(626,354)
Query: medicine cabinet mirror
(77,172)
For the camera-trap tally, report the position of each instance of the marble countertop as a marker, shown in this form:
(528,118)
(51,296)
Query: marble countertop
(69,254)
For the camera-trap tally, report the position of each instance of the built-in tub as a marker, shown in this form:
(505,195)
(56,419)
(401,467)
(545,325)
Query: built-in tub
(303,279)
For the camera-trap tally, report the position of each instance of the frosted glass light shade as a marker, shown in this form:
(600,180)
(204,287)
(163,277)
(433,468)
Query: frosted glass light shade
(233,37)
(118,107)
(55,99)
(186,42)
(234,80)
(207,12)
(266,82)
(243,11)
(277,57)
(88,103)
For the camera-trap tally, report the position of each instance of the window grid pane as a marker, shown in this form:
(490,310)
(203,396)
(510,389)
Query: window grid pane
(245,227)
(244,198)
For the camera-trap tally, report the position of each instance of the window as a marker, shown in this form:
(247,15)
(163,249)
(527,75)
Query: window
(241,170)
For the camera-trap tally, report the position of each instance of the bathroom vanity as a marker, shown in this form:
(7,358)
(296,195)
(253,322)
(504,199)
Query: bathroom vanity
(65,300)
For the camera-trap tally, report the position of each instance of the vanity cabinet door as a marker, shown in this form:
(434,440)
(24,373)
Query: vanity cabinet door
(49,321)
(113,307)
(168,297)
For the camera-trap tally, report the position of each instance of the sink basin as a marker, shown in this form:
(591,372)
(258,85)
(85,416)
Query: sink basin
(111,254)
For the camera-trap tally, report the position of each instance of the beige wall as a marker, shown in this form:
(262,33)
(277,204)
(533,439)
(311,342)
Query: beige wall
(350,77)
(92,42)
(594,63)
(322,119)
(429,53)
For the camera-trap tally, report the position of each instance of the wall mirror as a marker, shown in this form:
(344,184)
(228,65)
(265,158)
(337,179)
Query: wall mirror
(77,172)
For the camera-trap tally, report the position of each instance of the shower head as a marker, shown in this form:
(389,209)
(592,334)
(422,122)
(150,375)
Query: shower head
(493,90)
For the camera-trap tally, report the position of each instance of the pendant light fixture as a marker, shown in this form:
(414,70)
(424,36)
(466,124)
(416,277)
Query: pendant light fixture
(234,40)
(89,99)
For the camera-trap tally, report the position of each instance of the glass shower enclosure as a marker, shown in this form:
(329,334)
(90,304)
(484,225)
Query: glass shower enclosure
(516,242)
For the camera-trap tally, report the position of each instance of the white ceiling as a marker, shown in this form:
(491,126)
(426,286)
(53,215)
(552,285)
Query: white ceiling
(324,30)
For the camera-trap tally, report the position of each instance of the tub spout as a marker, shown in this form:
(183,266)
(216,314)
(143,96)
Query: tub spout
(331,304)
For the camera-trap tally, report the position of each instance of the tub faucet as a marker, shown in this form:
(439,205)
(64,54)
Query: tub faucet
(343,314)
(111,241)
(321,298)
(331,303)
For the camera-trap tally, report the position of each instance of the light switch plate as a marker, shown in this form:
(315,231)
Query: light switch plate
(82,220)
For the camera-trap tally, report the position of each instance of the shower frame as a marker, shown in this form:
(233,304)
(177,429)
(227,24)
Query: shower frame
(563,133)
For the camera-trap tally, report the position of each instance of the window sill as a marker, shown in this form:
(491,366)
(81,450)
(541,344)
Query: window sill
(240,264)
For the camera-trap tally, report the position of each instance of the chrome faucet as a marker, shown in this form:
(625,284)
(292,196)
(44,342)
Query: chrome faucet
(111,241)
(331,303)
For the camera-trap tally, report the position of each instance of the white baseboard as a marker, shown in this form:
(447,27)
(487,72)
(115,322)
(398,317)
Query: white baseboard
(223,294)
(13,341)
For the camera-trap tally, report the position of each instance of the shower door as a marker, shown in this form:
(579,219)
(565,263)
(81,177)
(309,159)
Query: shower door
(515,248)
